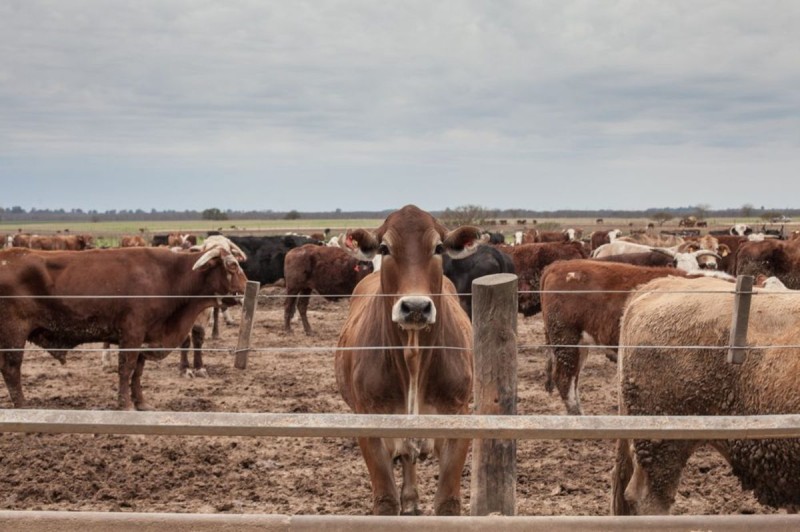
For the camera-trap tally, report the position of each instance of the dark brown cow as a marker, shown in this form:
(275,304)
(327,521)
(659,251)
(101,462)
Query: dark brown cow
(21,240)
(61,324)
(653,258)
(598,238)
(132,242)
(327,270)
(773,258)
(570,318)
(728,262)
(529,262)
(405,314)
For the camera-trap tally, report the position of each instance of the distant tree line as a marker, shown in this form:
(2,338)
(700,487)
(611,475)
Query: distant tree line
(456,215)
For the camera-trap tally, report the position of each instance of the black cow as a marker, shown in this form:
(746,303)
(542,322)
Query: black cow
(486,260)
(265,255)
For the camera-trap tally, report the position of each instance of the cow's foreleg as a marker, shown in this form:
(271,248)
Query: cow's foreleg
(11,367)
(385,500)
(566,369)
(409,497)
(452,456)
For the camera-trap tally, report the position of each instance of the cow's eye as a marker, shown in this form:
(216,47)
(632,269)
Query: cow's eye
(383,249)
(439,249)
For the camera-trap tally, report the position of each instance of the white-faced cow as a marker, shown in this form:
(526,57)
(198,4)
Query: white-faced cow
(407,349)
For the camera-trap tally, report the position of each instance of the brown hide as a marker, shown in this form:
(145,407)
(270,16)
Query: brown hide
(773,258)
(567,316)
(132,242)
(21,240)
(551,236)
(529,262)
(60,324)
(380,379)
(728,262)
(326,270)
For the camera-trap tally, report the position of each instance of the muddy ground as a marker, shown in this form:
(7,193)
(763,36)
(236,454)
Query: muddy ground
(289,475)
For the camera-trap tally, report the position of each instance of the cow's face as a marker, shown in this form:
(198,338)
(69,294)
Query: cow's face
(228,277)
(411,243)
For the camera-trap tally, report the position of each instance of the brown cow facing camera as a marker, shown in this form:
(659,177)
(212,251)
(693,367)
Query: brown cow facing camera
(407,349)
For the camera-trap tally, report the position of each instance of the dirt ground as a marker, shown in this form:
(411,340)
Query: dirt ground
(291,475)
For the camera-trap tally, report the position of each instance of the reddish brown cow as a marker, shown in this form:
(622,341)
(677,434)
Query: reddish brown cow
(594,317)
(653,258)
(728,262)
(598,238)
(773,258)
(326,270)
(529,262)
(132,242)
(181,240)
(60,324)
(21,240)
(412,353)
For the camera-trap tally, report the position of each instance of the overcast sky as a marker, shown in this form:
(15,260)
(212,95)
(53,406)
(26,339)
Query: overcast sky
(371,105)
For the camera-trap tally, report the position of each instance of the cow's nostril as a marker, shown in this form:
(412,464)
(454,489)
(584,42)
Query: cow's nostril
(404,307)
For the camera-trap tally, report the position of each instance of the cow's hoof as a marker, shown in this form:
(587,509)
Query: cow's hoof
(201,373)
(449,507)
(144,407)
(386,506)
(187,374)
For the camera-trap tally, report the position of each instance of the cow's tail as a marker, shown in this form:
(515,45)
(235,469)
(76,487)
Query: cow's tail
(620,478)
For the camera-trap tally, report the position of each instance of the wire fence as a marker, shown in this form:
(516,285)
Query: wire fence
(329,348)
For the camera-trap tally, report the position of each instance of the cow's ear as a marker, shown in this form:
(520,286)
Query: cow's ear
(724,250)
(691,247)
(360,243)
(463,242)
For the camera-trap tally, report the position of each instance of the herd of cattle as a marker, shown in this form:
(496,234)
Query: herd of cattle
(407,338)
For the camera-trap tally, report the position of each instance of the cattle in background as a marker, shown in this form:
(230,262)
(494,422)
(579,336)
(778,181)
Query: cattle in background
(181,240)
(487,260)
(653,258)
(773,258)
(689,221)
(664,381)
(132,242)
(61,324)
(662,240)
(582,301)
(565,235)
(21,240)
(529,262)
(707,251)
(61,242)
(701,223)
(266,255)
(503,222)
(495,237)
(599,221)
(329,271)
(734,230)
(598,238)
(406,348)
(522,222)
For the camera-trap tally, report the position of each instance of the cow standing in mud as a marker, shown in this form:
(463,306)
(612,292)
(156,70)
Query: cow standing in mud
(418,356)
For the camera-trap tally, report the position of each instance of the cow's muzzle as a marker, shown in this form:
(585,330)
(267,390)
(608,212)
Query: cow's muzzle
(414,312)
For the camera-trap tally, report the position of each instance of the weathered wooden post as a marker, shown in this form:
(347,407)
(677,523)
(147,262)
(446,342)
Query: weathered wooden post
(246,325)
(494,326)
(741,316)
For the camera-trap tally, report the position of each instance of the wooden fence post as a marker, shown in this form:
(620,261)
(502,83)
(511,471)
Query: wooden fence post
(494,326)
(741,315)
(246,325)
